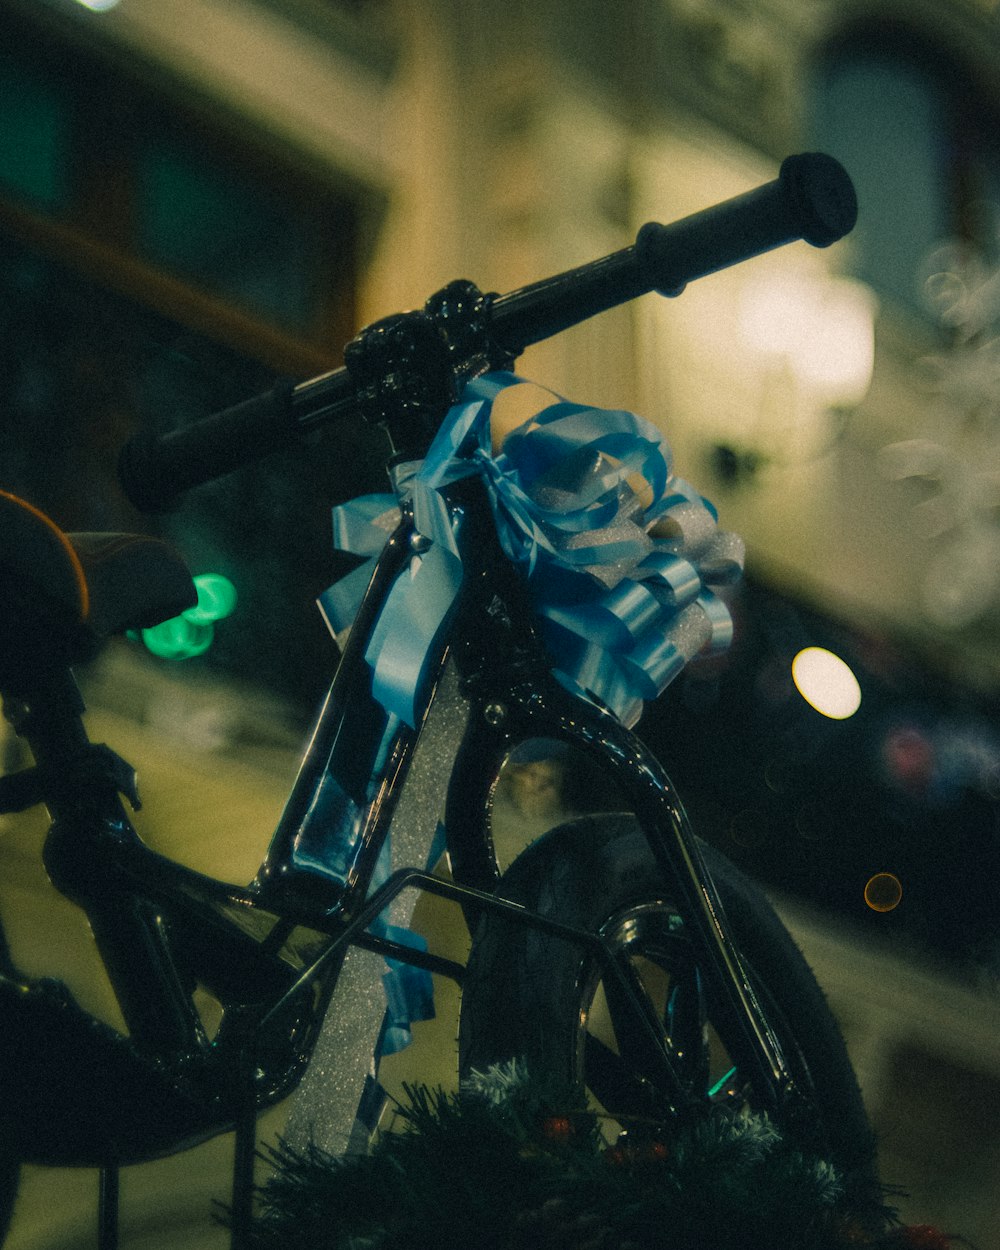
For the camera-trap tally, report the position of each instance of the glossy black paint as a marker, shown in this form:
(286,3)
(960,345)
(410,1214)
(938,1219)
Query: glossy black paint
(162,929)
(86,1094)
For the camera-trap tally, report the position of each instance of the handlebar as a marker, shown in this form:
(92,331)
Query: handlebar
(812,199)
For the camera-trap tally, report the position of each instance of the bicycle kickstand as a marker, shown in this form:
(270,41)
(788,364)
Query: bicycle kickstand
(107,1208)
(244,1144)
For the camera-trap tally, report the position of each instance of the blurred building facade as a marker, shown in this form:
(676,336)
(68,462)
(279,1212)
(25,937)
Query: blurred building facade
(838,406)
(422,142)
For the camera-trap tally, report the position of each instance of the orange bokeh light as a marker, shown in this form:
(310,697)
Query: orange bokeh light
(883,891)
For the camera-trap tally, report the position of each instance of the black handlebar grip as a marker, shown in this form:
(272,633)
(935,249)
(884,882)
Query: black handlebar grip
(154,470)
(812,198)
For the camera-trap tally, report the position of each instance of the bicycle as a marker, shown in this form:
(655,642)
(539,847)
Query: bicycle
(732,1014)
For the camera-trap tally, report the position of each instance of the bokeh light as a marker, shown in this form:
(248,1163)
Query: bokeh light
(178,639)
(823,327)
(883,892)
(216,599)
(826,683)
(190,634)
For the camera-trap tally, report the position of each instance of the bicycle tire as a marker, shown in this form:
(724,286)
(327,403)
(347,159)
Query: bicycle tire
(529,996)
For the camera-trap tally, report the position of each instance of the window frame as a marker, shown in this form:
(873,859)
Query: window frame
(96,235)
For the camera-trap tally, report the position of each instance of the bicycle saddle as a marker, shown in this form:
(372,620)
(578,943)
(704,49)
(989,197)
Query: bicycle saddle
(62,595)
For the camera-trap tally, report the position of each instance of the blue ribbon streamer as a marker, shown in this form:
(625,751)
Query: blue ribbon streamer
(361,528)
(623,557)
(409,991)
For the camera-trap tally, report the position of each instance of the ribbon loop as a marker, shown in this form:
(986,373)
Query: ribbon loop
(622,556)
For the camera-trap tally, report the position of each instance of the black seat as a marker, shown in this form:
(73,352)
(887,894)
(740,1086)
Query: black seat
(62,595)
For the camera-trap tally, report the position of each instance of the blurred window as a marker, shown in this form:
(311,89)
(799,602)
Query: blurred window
(919,140)
(156,266)
(100,169)
(34,137)
(215,227)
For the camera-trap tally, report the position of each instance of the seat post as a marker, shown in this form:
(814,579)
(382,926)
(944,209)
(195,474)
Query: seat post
(48,715)
(85,854)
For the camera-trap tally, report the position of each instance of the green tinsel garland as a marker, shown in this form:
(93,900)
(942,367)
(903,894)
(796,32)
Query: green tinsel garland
(508,1166)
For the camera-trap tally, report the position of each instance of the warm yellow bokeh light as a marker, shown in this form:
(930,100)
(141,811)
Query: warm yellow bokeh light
(823,327)
(826,683)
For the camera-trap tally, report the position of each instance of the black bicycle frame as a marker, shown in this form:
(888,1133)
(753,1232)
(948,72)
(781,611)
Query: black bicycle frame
(162,928)
(270,952)
(340,810)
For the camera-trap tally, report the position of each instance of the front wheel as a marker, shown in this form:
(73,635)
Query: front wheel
(541,999)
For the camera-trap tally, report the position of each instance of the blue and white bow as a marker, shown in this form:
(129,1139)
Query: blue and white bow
(622,557)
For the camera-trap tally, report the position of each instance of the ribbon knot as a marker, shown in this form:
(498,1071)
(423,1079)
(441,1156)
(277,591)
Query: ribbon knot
(623,558)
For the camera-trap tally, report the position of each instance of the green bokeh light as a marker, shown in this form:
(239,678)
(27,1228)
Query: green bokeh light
(216,599)
(190,634)
(178,639)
